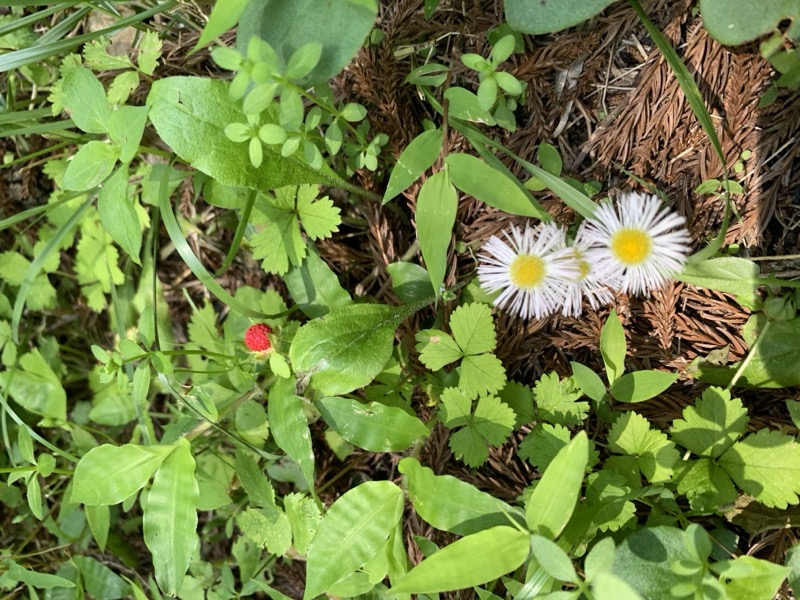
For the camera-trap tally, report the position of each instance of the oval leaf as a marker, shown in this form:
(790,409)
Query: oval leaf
(548,17)
(118,215)
(374,426)
(289,426)
(170,518)
(417,158)
(470,561)
(436,214)
(410,281)
(641,385)
(474,177)
(553,559)
(354,529)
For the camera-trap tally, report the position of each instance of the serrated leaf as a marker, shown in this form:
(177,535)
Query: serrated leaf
(712,425)
(473,328)
(352,531)
(648,450)
(416,158)
(607,500)
(706,484)
(436,348)
(96,56)
(450,504)
(304,518)
(347,348)
(149,52)
(374,426)
(520,398)
(437,203)
(290,427)
(320,218)
(543,443)
(481,374)
(118,215)
(170,518)
(470,561)
(110,474)
(278,241)
(765,465)
(557,401)
(268,529)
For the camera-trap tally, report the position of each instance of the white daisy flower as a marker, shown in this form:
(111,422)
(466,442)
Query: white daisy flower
(533,268)
(594,282)
(640,242)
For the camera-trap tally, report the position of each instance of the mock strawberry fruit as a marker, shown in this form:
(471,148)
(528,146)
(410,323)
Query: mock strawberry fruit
(256,337)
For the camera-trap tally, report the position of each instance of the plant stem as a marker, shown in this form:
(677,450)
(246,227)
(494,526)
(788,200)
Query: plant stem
(749,357)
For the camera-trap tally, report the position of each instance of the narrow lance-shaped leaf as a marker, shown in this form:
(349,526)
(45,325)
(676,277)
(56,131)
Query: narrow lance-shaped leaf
(290,427)
(418,156)
(436,214)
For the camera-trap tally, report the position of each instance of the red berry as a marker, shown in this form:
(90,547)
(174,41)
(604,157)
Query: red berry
(256,337)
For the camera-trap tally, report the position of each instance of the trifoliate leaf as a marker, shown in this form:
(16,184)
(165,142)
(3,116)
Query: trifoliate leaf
(490,425)
(481,374)
(648,451)
(705,484)
(437,349)
(766,465)
(473,328)
(519,397)
(556,401)
(542,444)
(320,218)
(711,426)
(149,52)
(606,498)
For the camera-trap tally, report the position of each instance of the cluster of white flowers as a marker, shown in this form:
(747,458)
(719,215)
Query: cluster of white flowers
(634,247)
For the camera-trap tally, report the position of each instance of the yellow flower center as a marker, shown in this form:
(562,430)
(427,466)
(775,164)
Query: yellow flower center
(527,271)
(631,246)
(584,269)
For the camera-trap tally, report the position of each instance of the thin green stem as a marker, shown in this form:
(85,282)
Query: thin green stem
(750,355)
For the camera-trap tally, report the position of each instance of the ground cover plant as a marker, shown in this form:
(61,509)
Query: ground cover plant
(417,299)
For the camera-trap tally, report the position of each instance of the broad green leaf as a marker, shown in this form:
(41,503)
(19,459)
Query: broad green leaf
(347,348)
(730,274)
(190,115)
(706,484)
(613,347)
(553,499)
(766,465)
(588,381)
(99,519)
(734,23)
(447,503)
(36,387)
(436,214)
(712,425)
(548,17)
(470,561)
(473,328)
(553,559)
(170,518)
(315,287)
(648,451)
(793,562)
(90,166)
(118,215)
(474,177)
(463,104)
(608,501)
(85,101)
(374,426)
(42,581)
(607,586)
(481,374)
(418,157)
(223,17)
(110,474)
(600,558)
(290,427)
(410,281)
(353,530)
(762,581)
(641,385)
(125,128)
(100,581)
(341,28)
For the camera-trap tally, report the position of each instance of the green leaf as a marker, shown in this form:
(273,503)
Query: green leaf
(730,274)
(354,529)
(548,17)
(340,27)
(190,115)
(303,60)
(463,104)
(712,425)
(449,504)
(641,560)
(436,349)
(125,128)
(490,425)
(735,23)
(553,559)
(481,374)
(118,215)
(304,518)
(543,443)
(588,381)
(613,346)
(90,166)
(607,586)
(557,401)
(223,17)
(170,518)
(85,100)
(290,427)
(474,177)
(347,348)
(149,52)
(470,561)
(599,559)
(706,484)
(648,451)
(96,56)
(34,496)
(608,501)
(765,465)
(255,483)
(553,500)
(100,581)
(36,387)
(267,528)
(277,240)
(319,216)
(110,474)
(374,426)
(416,158)
(641,385)
(25,444)
(436,214)
(99,519)
(42,581)
(762,581)
(410,281)
(315,287)
(473,328)
(519,397)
